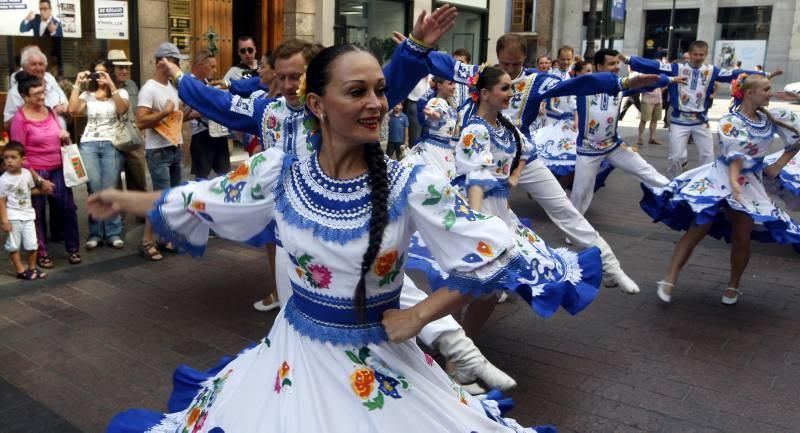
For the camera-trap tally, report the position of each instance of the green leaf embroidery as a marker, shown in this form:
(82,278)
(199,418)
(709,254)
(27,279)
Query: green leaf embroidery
(353,357)
(385,280)
(187,199)
(267,342)
(363,354)
(258,159)
(286,382)
(304,260)
(376,403)
(449,220)
(219,188)
(255,192)
(433,197)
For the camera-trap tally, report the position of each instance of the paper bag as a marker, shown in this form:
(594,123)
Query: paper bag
(74,170)
(170,127)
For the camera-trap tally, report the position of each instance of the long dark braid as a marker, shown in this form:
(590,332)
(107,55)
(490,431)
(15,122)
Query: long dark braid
(509,126)
(378,220)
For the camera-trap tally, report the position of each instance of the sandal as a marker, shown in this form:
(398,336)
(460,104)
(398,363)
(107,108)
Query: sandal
(74,258)
(45,262)
(37,273)
(731,300)
(166,246)
(149,251)
(26,275)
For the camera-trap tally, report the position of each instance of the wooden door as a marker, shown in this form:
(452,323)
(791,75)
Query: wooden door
(216,14)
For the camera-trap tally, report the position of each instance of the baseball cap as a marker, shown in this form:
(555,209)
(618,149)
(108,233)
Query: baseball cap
(118,57)
(167,49)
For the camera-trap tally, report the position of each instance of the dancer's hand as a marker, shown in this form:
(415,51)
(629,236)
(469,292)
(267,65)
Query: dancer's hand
(679,80)
(401,325)
(787,96)
(513,180)
(429,28)
(398,37)
(109,203)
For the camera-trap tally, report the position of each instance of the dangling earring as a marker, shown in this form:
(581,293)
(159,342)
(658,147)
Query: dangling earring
(322,117)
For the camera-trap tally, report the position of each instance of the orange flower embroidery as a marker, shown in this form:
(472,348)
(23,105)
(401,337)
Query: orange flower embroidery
(284,371)
(485,249)
(726,128)
(240,173)
(385,263)
(193,416)
(468,140)
(363,382)
(520,86)
(199,206)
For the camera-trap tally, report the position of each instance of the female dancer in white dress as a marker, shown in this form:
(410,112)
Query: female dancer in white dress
(726,198)
(437,145)
(338,357)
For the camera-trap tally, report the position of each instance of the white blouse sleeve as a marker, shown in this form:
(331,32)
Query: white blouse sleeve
(238,206)
(734,140)
(474,158)
(791,139)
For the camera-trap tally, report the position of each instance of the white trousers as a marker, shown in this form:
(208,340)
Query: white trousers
(679,142)
(409,296)
(622,158)
(540,183)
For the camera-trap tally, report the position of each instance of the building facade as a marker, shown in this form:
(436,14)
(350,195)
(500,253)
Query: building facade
(753,32)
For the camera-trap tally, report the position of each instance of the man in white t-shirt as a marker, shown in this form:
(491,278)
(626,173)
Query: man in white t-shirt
(158,98)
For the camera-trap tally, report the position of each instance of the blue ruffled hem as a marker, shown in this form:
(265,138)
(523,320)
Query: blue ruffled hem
(544,299)
(495,405)
(788,182)
(678,215)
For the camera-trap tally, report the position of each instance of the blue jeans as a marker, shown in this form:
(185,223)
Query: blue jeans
(103,163)
(165,167)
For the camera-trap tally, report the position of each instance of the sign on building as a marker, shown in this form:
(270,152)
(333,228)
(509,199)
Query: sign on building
(59,19)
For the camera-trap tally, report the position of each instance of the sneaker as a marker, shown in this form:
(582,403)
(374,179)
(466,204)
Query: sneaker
(261,306)
(92,244)
(116,242)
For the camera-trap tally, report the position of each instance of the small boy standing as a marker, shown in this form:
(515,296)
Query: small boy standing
(398,132)
(16,211)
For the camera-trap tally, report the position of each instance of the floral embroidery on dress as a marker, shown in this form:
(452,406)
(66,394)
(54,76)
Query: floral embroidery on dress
(483,249)
(372,380)
(701,185)
(282,380)
(387,266)
(198,411)
(593,125)
(195,207)
(240,173)
(318,276)
(233,192)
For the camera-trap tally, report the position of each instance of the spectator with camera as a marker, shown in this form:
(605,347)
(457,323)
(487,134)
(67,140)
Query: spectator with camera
(102,103)
(248,66)
(36,126)
(134,162)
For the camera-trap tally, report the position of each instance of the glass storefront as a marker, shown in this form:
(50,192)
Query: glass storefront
(744,23)
(370,23)
(469,32)
(656,32)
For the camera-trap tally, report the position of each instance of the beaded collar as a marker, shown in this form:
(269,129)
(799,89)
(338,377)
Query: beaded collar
(760,128)
(337,209)
(500,135)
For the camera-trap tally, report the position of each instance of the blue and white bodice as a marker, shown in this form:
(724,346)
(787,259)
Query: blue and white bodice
(324,226)
(278,125)
(750,140)
(484,155)
(690,101)
(440,131)
(561,107)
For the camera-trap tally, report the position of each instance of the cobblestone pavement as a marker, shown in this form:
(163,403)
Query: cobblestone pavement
(95,339)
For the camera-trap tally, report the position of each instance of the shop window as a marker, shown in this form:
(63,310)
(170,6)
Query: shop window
(370,23)
(744,23)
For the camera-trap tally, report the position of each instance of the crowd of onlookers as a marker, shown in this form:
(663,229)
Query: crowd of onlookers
(37,206)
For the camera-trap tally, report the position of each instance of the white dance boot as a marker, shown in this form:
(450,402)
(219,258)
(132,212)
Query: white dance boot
(470,364)
(613,275)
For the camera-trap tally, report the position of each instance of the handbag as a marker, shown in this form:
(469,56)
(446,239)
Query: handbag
(72,166)
(126,135)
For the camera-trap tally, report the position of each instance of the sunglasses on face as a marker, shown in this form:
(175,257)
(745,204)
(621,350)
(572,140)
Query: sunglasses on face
(247,50)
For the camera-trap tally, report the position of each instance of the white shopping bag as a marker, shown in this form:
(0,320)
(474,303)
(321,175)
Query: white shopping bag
(216,130)
(74,170)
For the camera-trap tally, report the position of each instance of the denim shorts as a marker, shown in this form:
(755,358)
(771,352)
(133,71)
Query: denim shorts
(165,166)
(23,234)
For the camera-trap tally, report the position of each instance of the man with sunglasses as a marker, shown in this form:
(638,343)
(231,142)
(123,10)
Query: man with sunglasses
(248,65)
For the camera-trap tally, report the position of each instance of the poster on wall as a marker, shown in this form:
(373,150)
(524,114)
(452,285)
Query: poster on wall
(56,18)
(751,53)
(111,19)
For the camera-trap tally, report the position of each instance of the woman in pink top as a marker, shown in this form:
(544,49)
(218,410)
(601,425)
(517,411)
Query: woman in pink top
(37,128)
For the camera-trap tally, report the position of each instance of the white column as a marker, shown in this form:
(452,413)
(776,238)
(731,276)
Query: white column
(707,24)
(634,27)
(324,20)
(783,46)
(497,24)
(567,28)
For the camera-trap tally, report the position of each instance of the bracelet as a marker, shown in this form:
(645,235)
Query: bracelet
(625,83)
(176,79)
(115,92)
(419,42)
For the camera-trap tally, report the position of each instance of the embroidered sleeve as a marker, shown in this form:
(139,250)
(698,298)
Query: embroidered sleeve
(471,247)
(438,105)
(734,140)
(791,138)
(238,206)
(474,158)
(232,111)
(407,66)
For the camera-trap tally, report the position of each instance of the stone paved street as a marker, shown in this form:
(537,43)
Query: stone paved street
(95,339)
